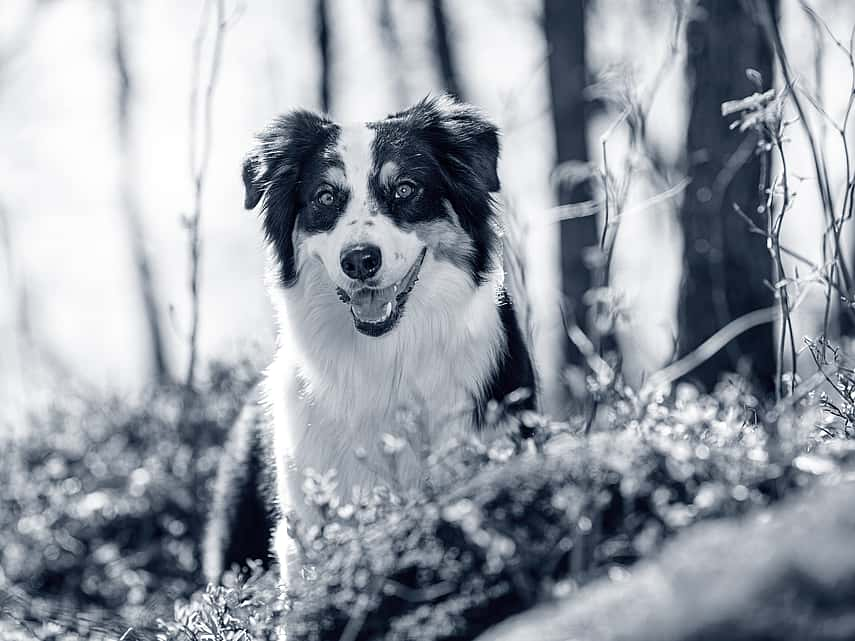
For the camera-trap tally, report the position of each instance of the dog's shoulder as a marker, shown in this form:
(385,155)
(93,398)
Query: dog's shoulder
(243,510)
(514,368)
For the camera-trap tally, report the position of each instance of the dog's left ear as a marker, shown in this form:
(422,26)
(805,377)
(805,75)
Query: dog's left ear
(464,137)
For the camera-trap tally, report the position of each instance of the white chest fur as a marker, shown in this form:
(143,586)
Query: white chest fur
(333,392)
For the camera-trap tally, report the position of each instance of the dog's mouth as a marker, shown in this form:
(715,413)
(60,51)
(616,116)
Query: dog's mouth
(377,311)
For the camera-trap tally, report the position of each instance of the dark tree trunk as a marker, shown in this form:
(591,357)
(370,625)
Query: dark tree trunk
(130,201)
(726,269)
(392,44)
(564,26)
(443,49)
(323,34)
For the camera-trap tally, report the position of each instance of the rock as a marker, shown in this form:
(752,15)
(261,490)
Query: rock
(784,573)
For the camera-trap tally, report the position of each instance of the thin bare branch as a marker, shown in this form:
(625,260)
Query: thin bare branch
(199,164)
(815,17)
(709,348)
(129,197)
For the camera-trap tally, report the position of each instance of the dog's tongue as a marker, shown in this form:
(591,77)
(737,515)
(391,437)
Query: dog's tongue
(371,305)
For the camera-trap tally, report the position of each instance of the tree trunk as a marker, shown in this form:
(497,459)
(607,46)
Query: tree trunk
(443,49)
(394,52)
(564,26)
(323,35)
(727,270)
(130,201)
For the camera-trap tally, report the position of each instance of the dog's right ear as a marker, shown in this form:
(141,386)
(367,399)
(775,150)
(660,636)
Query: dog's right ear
(271,175)
(252,187)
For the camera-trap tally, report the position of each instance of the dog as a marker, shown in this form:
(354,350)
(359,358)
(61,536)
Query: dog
(385,273)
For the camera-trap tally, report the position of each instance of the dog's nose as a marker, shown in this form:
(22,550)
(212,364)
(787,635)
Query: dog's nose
(361,262)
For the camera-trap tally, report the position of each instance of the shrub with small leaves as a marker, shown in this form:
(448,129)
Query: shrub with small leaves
(244,608)
(104,502)
(506,519)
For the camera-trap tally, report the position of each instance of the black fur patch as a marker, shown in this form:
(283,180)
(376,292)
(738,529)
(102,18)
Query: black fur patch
(275,170)
(243,514)
(451,151)
(312,215)
(513,371)
(447,148)
(252,523)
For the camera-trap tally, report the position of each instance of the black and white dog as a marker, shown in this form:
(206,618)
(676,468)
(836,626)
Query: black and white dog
(386,277)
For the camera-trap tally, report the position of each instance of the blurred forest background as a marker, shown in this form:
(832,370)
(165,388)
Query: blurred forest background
(678,183)
(111,111)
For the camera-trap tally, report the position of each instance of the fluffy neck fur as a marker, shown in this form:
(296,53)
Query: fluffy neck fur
(348,388)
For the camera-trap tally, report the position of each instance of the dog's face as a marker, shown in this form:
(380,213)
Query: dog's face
(382,207)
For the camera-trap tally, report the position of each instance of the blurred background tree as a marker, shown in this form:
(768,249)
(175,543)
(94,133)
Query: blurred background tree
(323,35)
(564,29)
(728,270)
(107,497)
(443,50)
(128,177)
(115,315)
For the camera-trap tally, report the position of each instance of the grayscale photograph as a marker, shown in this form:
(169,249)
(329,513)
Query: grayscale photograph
(427,320)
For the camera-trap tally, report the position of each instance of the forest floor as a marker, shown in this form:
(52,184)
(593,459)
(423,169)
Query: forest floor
(104,504)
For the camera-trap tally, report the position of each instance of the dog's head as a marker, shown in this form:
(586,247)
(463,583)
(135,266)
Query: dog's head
(379,206)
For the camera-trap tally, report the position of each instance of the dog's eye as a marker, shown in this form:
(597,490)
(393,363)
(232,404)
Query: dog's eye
(325,198)
(405,189)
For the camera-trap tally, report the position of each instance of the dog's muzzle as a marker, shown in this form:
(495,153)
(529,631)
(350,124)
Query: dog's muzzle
(376,311)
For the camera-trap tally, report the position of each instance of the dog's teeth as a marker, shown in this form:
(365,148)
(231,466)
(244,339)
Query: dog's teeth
(387,310)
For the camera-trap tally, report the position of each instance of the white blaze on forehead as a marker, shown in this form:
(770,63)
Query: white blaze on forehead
(354,149)
(362,222)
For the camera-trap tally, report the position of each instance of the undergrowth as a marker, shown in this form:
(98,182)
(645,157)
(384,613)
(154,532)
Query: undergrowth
(103,505)
(103,508)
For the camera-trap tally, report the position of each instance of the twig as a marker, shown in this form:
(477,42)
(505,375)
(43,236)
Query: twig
(418,595)
(599,367)
(834,222)
(780,273)
(354,625)
(816,18)
(129,197)
(754,229)
(592,208)
(199,165)
(803,389)
(603,271)
(838,263)
(604,141)
(709,348)
(774,34)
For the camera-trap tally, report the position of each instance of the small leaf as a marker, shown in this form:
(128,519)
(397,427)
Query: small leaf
(755,77)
